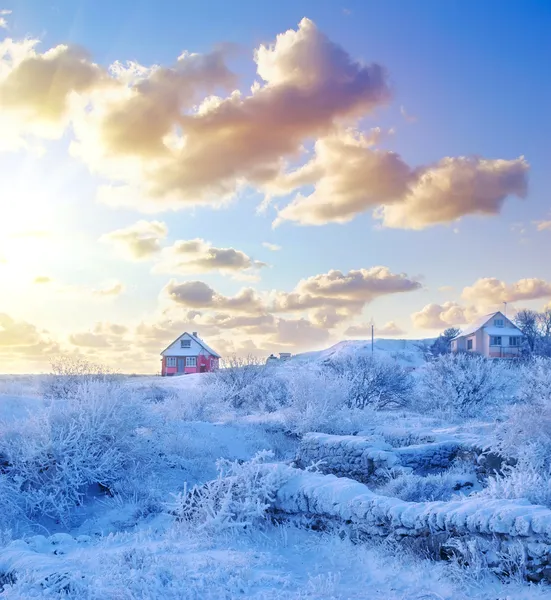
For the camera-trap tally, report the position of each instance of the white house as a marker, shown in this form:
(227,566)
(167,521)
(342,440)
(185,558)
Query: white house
(493,336)
(188,353)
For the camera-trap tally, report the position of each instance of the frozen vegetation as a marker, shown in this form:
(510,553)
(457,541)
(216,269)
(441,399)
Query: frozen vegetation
(338,474)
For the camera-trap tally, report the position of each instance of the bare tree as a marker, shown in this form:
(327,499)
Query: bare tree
(528,322)
(442,344)
(544,320)
(373,382)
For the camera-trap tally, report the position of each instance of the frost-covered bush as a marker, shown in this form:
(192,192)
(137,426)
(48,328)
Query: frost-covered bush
(524,480)
(59,451)
(202,402)
(462,384)
(318,401)
(439,486)
(524,431)
(246,383)
(239,497)
(535,380)
(68,372)
(373,382)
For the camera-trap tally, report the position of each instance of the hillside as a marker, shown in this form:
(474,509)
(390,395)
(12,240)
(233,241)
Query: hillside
(408,353)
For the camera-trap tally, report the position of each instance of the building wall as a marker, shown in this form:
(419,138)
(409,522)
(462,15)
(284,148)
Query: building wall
(207,361)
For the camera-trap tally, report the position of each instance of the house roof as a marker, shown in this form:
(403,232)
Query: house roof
(198,340)
(481,321)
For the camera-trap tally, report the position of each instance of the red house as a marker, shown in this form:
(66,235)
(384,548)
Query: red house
(188,354)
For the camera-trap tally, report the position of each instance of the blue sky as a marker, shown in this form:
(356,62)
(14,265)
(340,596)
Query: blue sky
(466,79)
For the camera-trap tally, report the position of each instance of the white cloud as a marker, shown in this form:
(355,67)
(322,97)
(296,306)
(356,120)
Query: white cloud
(350,177)
(3,21)
(442,316)
(309,83)
(272,247)
(490,291)
(198,256)
(139,241)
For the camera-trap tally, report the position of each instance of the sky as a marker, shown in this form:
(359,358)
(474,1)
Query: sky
(274,176)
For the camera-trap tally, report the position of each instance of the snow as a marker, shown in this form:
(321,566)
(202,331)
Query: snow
(407,353)
(133,543)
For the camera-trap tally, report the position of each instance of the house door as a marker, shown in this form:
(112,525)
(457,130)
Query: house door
(181,362)
(203,369)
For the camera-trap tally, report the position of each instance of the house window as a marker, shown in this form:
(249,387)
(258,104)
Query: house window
(171,361)
(191,361)
(185,343)
(495,340)
(498,322)
(514,341)
(469,344)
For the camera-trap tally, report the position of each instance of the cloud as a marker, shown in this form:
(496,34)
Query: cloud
(350,177)
(297,332)
(390,329)
(272,247)
(89,340)
(329,317)
(543,225)
(441,316)
(197,294)
(3,22)
(41,279)
(36,89)
(352,290)
(20,339)
(198,256)
(491,291)
(456,187)
(139,241)
(113,289)
(206,155)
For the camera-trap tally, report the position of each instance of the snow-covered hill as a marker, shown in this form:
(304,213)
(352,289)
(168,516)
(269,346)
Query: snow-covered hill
(408,353)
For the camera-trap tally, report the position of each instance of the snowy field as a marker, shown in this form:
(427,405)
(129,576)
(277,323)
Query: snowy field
(335,475)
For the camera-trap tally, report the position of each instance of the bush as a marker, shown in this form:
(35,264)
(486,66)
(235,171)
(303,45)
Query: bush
(88,438)
(68,372)
(239,497)
(439,486)
(319,401)
(248,384)
(524,432)
(524,480)
(373,382)
(535,381)
(462,384)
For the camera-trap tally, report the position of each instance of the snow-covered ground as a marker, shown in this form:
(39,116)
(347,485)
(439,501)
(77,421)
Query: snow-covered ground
(407,353)
(133,537)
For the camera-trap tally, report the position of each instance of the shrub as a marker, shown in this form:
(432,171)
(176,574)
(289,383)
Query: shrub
(462,384)
(316,399)
(239,497)
(535,381)
(524,480)
(68,372)
(56,454)
(439,486)
(373,382)
(524,432)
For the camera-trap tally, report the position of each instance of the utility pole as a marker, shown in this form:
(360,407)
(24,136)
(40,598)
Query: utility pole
(372,330)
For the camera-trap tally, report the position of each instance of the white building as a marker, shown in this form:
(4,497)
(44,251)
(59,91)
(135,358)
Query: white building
(493,336)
